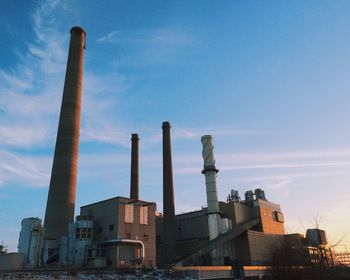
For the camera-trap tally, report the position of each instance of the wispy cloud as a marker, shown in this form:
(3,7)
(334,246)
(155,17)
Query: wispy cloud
(270,170)
(22,136)
(182,133)
(100,101)
(106,134)
(285,165)
(168,36)
(31,92)
(30,171)
(288,177)
(109,37)
(159,46)
(30,96)
(179,133)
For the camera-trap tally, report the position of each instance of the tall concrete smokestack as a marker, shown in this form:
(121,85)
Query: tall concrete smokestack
(168,198)
(61,198)
(134,176)
(209,172)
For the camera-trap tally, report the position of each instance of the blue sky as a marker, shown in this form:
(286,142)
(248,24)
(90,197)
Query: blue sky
(268,79)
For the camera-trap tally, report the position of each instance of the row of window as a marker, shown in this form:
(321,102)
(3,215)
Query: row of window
(144,237)
(129,214)
(83,230)
(83,236)
(83,233)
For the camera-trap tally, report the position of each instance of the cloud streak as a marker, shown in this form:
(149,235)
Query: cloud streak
(158,46)
(167,36)
(31,92)
(29,171)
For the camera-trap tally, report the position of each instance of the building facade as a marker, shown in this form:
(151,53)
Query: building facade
(122,231)
(192,232)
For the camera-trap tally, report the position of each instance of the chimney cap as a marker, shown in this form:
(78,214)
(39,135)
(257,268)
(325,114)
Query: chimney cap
(78,29)
(134,136)
(206,137)
(166,125)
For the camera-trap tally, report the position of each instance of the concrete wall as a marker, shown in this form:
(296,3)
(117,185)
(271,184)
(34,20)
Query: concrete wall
(267,212)
(105,215)
(295,240)
(12,261)
(262,245)
(191,232)
(242,252)
(237,212)
(193,225)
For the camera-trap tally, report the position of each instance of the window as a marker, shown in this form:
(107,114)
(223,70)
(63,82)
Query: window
(129,213)
(279,217)
(179,232)
(77,233)
(99,229)
(111,227)
(143,215)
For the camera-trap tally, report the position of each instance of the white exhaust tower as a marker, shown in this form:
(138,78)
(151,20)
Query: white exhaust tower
(209,171)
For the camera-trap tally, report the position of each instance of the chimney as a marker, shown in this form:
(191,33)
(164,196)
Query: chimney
(134,176)
(61,197)
(209,172)
(169,248)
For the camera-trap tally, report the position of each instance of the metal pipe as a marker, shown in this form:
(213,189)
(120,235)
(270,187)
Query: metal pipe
(134,176)
(124,241)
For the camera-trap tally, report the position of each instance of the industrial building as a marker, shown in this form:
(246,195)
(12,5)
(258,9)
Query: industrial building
(125,229)
(115,232)
(30,241)
(192,229)
(128,232)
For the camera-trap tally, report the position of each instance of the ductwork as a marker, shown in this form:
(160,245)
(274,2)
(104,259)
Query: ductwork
(124,241)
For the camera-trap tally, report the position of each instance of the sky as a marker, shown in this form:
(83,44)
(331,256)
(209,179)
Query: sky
(268,79)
